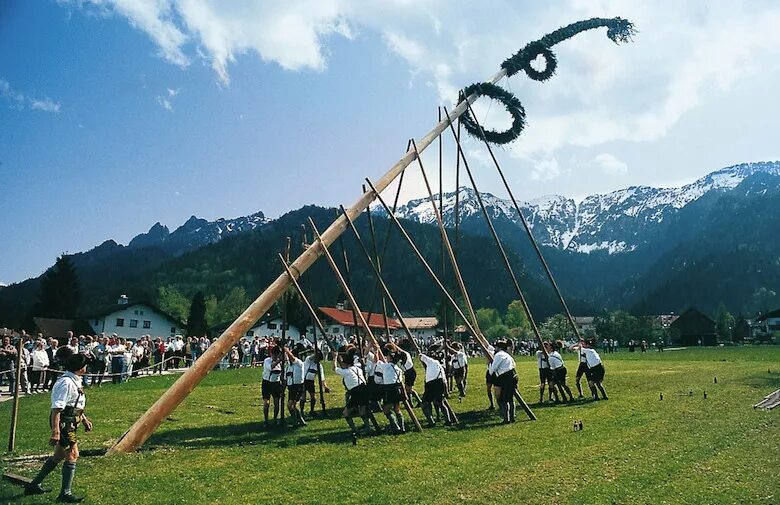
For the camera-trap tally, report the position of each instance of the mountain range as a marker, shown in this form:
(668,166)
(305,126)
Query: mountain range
(644,249)
(616,222)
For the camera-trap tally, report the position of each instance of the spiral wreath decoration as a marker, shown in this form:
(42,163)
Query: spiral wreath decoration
(510,101)
(618,30)
(532,51)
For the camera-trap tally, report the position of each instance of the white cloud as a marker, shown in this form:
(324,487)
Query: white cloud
(19,100)
(8,93)
(173,92)
(288,33)
(610,165)
(47,105)
(686,54)
(164,103)
(545,170)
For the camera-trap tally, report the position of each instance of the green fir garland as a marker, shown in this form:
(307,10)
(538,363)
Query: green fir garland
(618,30)
(512,104)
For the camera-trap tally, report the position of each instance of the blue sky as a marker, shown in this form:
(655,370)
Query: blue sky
(118,114)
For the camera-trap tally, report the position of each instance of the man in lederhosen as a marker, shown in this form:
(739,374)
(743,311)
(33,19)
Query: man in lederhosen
(67,412)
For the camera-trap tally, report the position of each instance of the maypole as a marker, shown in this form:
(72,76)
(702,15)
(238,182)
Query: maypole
(619,30)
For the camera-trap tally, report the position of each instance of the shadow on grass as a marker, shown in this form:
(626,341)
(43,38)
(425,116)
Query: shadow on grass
(255,433)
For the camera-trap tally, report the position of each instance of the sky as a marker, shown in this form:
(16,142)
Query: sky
(116,114)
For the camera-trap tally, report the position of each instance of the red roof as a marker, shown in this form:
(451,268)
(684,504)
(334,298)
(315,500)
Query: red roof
(345,318)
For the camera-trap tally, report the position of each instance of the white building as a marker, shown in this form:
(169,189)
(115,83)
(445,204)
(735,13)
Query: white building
(766,325)
(423,328)
(133,320)
(272,327)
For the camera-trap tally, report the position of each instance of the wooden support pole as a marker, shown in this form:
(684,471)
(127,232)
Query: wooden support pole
(450,253)
(304,246)
(143,428)
(15,406)
(528,231)
(378,265)
(497,241)
(363,321)
(284,333)
(316,320)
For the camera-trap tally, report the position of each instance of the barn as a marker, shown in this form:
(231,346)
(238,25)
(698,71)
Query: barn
(694,327)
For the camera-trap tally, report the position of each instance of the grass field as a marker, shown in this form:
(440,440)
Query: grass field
(634,448)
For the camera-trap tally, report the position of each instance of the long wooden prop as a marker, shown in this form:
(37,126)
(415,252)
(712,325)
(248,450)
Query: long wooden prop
(497,241)
(143,428)
(363,322)
(317,322)
(619,30)
(304,246)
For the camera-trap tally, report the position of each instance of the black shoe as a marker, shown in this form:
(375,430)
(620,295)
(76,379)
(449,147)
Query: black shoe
(69,498)
(31,489)
(491,408)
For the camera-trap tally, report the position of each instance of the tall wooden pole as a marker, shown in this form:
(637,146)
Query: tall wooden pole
(142,429)
(15,407)
(284,332)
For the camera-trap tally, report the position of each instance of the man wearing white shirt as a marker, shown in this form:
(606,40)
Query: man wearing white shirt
(67,412)
(502,368)
(595,373)
(459,364)
(272,383)
(388,377)
(357,393)
(410,374)
(117,351)
(313,370)
(40,362)
(294,372)
(435,386)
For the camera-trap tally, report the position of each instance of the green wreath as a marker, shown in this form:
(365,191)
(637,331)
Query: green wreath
(618,30)
(510,101)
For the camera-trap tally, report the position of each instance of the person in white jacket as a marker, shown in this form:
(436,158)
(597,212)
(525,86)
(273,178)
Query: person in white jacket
(40,362)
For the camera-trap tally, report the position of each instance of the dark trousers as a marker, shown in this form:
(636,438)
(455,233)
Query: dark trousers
(37,379)
(117,368)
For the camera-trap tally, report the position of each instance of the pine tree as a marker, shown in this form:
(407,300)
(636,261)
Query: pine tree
(60,292)
(196,322)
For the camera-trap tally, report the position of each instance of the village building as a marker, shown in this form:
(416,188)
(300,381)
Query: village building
(693,327)
(273,327)
(423,328)
(585,324)
(341,321)
(134,320)
(663,321)
(765,326)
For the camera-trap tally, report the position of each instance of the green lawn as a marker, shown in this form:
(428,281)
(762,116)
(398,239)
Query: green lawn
(634,448)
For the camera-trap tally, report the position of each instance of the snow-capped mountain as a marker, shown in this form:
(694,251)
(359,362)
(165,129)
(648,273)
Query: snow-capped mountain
(614,222)
(196,233)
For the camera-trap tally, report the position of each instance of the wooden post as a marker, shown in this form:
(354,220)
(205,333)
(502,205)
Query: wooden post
(284,335)
(317,323)
(363,321)
(15,406)
(142,429)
